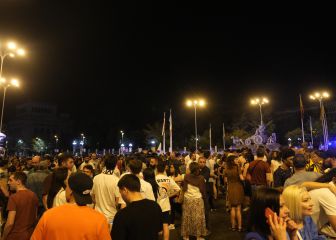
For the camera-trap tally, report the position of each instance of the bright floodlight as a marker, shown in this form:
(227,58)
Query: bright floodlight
(265,100)
(15,83)
(201,103)
(3,80)
(21,52)
(189,103)
(325,94)
(11,45)
(317,94)
(312,97)
(253,102)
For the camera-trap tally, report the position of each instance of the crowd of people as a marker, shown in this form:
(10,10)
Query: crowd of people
(287,193)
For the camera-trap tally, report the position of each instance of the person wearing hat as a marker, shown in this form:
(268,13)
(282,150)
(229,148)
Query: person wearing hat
(74,220)
(301,175)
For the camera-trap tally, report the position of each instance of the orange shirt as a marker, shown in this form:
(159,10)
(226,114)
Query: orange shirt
(72,222)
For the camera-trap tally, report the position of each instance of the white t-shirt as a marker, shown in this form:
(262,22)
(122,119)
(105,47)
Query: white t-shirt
(324,204)
(146,190)
(105,190)
(60,198)
(168,187)
(211,165)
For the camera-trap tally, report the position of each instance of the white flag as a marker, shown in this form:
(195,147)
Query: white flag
(171,132)
(164,133)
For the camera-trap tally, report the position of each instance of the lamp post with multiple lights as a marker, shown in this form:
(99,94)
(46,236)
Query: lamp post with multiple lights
(10,49)
(195,103)
(320,96)
(260,102)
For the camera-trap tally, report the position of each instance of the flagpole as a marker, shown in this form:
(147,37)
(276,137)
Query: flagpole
(210,137)
(171,132)
(302,115)
(223,136)
(164,133)
(311,131)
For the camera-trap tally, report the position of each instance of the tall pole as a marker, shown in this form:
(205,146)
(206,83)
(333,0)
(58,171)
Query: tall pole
(195,106)
(324,125)
(223,136)
(261,116)
(3,106)
(311,131)
(164,133)
(210,137)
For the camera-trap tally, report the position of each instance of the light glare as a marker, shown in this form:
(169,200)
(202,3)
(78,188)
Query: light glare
(11,45)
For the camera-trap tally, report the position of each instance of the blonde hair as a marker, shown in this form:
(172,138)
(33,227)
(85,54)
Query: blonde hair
(293,197)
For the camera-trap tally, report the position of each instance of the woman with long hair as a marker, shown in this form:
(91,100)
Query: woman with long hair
(56,195)
(193,217)
(233,177)
(149,176)
(273,227)
(300,207)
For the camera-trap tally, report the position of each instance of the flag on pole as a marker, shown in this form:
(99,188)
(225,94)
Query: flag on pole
(301,107)
(210,137)
(311,131)
(164,133)
(170,132)
(302,115)
(223,136)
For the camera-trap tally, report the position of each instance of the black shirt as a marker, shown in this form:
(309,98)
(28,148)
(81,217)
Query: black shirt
(280,176)
(140,220)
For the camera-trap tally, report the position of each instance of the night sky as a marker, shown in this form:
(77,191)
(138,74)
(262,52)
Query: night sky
(119,67)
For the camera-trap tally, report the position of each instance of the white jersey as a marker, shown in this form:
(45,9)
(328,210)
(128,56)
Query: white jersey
(167,188)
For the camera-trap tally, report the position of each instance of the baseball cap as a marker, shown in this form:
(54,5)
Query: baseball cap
(299,161)
(81,186)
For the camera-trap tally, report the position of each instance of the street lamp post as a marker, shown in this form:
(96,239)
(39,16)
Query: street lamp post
(10,49)
(122,141)
(195,103)
(5,84)
(320,97)
(260,102)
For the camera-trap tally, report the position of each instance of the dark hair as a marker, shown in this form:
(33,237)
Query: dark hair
(62,157)
(286,153)
(20,176)
(194,168)
(131,182)
(176,168)
(11,169)
(89,167)
(149,176)
(57,182)
(161,166)
(230,161)
(110,161)
(206,154)
(327,177)
(260,151)
(135,166)
(263,198)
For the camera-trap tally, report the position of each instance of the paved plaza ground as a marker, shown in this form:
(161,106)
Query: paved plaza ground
(220,220)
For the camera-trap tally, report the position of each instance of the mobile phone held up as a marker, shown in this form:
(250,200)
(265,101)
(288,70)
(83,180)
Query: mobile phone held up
(269,212)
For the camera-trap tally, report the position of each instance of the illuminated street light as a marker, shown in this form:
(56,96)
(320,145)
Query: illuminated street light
(12,83)
(10,49)
(260,102)
(195,103)
(320,96)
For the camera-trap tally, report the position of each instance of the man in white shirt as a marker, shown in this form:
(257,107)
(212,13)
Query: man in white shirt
(168,188)
(324,209)
(105,192)
(146,190)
